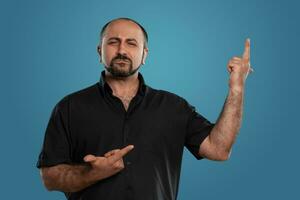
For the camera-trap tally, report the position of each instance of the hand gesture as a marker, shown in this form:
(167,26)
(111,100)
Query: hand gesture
(110,164)
(239,68)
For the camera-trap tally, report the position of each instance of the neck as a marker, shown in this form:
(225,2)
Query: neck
(125,86)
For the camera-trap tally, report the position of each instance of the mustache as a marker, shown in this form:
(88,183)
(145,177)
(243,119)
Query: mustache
(121,57)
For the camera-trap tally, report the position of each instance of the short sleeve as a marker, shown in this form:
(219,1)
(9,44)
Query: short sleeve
(56,147)
(198,128)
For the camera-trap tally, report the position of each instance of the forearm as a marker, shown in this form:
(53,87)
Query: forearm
(229,122)
(68,178)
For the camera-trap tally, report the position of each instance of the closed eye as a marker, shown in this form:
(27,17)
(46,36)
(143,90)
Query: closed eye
(113,42)
(132,44)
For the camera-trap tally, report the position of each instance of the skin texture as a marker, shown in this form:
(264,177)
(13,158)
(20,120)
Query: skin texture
(217,146)
(124,38)
(73,178)
(122,49)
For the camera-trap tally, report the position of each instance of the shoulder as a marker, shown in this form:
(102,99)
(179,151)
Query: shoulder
(170,98)
(169,95)
(83,95)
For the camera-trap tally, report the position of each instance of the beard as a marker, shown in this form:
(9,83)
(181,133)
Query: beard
(123,69)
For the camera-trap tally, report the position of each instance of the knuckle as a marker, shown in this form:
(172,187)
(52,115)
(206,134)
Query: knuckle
(118,166)
(121,166)
(114,166)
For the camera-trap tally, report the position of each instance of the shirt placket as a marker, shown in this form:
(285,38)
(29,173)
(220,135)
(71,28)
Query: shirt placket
(127,159)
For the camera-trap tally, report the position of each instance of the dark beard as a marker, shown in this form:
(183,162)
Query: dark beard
(120,73)
(116,72)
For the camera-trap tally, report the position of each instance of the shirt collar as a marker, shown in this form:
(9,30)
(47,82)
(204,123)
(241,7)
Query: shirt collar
(104,85)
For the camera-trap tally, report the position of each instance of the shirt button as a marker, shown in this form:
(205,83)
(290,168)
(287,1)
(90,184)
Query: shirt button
(128,162)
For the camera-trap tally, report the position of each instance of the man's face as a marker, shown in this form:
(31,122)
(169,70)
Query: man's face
(122,50)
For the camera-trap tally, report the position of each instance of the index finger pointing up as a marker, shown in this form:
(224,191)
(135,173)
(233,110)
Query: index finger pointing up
(119,154)
(246,55)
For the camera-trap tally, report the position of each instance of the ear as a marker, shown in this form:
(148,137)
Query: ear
(145,54)
(99,52)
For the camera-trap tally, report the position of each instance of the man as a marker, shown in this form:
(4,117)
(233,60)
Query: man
(121,139)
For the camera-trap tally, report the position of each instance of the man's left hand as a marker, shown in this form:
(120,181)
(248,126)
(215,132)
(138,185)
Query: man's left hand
(239,68)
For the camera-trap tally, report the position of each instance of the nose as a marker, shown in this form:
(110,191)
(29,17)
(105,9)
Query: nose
(122,49)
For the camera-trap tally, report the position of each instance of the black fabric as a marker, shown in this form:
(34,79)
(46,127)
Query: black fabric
(158,123)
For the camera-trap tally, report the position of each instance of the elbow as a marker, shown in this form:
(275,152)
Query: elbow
(47,178)
(48,186)
(225,155)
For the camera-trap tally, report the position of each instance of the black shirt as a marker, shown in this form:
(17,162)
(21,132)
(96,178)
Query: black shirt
(158,123)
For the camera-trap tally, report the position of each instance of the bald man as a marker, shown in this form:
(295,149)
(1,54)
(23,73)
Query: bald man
(121,139)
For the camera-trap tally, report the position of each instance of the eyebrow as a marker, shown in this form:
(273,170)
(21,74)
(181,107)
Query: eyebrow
(116,38)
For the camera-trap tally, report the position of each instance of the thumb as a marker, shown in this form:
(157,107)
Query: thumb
(89,158)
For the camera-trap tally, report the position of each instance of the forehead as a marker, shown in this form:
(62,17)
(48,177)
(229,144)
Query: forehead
(123,29)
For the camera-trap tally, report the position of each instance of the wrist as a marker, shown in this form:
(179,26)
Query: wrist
(92,175)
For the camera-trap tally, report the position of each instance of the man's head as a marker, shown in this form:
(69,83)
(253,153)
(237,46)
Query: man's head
(123,47)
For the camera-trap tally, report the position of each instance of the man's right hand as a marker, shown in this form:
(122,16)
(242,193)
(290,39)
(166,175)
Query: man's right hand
(110,164)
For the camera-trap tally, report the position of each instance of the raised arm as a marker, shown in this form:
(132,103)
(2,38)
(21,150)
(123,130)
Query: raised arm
(217,146)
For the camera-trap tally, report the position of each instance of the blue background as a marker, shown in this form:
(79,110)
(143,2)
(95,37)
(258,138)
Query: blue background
(48,49)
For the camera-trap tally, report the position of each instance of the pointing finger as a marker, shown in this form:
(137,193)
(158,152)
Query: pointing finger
(119,154)
(246,55)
